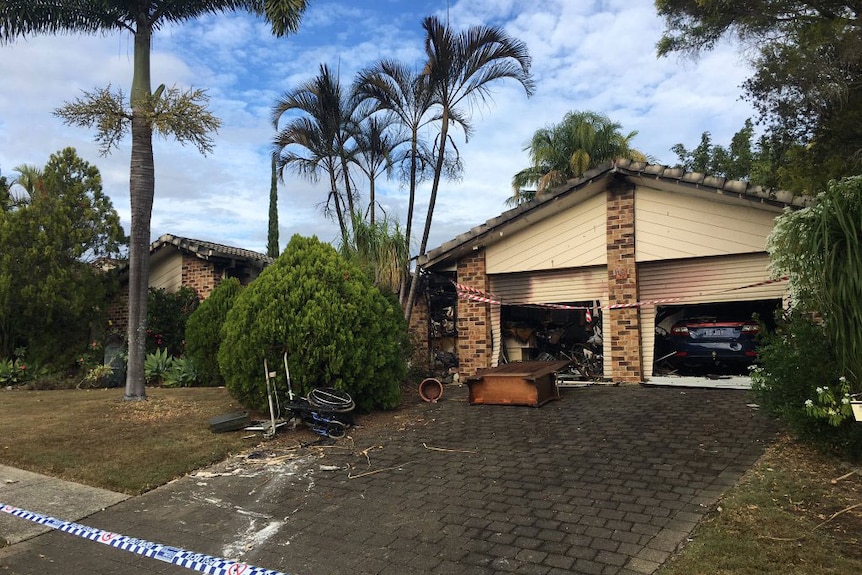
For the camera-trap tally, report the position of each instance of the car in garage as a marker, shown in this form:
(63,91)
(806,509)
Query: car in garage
(713,343)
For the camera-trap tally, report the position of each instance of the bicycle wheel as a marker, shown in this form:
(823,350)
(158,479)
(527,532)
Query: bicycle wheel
(331,399)
(335,429)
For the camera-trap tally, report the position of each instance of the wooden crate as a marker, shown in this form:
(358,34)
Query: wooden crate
(531,383)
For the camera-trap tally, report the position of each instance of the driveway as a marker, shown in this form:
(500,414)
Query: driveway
(607,480)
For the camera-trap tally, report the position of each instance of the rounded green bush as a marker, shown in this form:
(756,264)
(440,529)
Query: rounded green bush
(338,329)
(203,330)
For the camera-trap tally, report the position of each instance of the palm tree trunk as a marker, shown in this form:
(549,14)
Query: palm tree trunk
(141,192)
(409,228)
(339,213)
(371,197)
(351,209)
(438,170)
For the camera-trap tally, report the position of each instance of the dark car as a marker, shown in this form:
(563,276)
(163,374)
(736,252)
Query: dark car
(708,342)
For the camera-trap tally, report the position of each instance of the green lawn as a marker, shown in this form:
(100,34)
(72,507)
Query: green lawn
(94,437)
(794,513)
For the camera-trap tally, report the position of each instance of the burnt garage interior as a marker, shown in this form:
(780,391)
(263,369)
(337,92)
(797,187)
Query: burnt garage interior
(666,361)
(569,330)
(547,332)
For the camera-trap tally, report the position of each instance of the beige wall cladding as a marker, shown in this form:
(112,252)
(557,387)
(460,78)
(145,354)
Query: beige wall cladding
(570,238)
(673,225)
(166,271)
(702,280)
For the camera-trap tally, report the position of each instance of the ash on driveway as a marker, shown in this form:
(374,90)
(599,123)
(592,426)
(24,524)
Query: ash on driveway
(608,480)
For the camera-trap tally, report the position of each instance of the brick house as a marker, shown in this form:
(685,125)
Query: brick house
(176,261)
(629,247)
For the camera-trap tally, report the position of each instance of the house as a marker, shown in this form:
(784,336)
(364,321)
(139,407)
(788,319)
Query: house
(625,249)
(177,261)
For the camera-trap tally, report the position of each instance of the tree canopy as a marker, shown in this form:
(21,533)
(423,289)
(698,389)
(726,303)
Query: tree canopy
(741,160)
(807,80)
(53,236)
(380,123)
(163,111)
(581,141)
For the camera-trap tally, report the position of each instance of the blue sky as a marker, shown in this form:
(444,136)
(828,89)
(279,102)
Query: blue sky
(587,55)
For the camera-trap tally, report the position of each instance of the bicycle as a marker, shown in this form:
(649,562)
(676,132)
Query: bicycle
(325,410)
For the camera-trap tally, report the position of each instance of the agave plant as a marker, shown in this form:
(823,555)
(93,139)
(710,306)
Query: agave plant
(182,373)
(157,365)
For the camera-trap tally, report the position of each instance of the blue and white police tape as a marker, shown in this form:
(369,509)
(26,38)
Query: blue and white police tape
(174,555)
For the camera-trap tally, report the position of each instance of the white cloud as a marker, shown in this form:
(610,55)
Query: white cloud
(597,56)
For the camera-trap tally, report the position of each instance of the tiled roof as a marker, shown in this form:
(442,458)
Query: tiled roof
(638,172)
(210,250)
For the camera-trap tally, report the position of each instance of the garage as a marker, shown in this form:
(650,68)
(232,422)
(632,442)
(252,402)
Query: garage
(627,251)
(724,288)
(550,315)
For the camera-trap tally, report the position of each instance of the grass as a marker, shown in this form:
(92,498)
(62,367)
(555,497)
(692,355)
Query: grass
(794,513)
(96,438)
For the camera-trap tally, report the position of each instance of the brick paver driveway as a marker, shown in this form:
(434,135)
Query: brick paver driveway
(608,480)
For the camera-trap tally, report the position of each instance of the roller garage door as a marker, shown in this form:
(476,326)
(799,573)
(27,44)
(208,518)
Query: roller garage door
(549,287)
(720,279)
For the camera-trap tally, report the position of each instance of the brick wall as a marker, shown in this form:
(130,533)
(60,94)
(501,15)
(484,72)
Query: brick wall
(117,311)
(201,275)
(418,330)
(623,324)
(474,326)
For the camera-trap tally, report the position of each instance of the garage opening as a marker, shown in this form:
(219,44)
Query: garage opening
(710,338)
(536,332)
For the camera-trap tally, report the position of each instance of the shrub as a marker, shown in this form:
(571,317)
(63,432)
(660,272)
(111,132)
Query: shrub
(203,330)
(96,376)
(820,249)
(340,331)
(182,372)
(796,365)
(166,318)
(20,370)
(156,366)
(12,372)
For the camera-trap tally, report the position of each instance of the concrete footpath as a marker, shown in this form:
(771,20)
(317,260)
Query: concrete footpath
(605,481)
(34,492)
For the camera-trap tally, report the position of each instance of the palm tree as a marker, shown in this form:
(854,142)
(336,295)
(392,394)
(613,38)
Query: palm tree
(399,89)
(323,131)
(140,18)
(376,140)
(583,140)
(460,68)
(29,177)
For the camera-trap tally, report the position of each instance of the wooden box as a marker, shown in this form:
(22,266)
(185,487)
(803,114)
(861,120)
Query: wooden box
(531,383)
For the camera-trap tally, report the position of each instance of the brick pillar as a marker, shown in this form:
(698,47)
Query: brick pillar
(624,323)
(418,331)
(474,318)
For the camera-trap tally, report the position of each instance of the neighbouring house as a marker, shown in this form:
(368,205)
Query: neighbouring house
(626,249)
(176,261)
